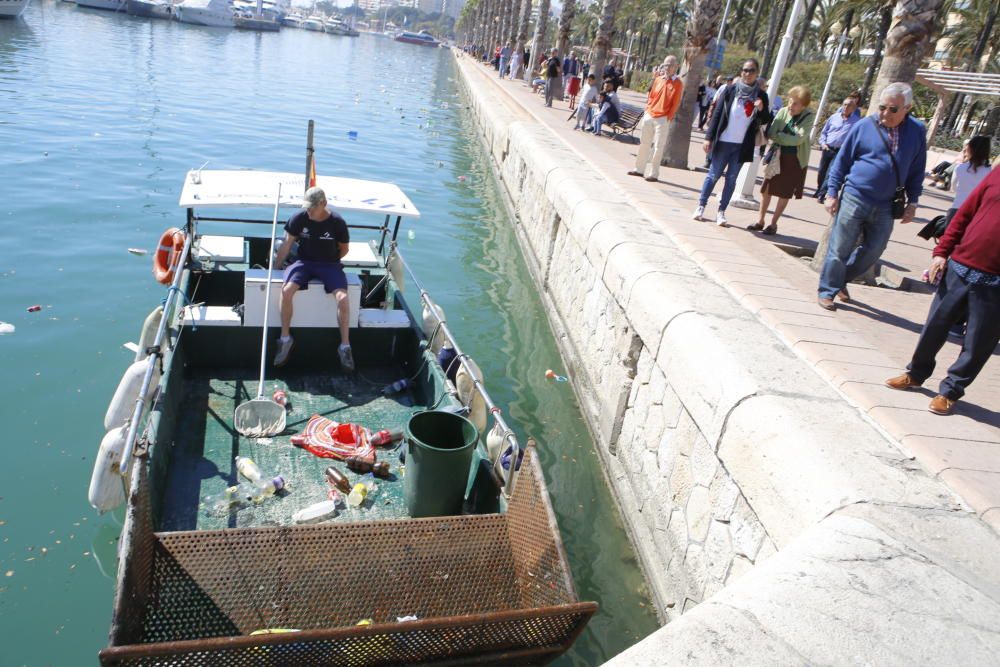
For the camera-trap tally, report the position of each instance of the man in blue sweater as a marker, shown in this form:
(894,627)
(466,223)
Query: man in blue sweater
(860,188)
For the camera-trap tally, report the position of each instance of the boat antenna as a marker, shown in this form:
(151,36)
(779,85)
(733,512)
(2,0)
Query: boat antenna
(309,151)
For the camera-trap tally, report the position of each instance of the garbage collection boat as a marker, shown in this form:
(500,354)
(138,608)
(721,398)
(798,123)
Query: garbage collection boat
(409,575)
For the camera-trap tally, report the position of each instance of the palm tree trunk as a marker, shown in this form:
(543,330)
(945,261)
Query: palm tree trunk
(885,20)
(670,26)
(806,23)
(538,40)
(657,29)
(605,33)
(773,35)
(524,68)
(565,26)
(910,37)
(758,13)
(702,26)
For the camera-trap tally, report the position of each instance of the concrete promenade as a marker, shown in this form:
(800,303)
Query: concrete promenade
(855,348)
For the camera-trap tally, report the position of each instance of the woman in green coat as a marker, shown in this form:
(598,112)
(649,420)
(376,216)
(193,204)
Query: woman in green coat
(789,134)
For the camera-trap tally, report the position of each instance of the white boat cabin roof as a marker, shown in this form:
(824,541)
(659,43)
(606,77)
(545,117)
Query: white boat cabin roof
(243,188)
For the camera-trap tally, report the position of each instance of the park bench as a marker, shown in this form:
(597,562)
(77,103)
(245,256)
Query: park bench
(628,119)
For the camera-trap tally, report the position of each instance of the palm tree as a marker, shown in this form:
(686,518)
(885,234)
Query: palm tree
(702,25)
(605,33)
(538,40)
(524,69)
(565,26)
(911,35)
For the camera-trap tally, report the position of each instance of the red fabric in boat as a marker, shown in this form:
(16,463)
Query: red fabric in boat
(329,440)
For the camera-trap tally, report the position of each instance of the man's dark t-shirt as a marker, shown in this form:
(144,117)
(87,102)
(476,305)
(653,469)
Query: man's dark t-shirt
(553,70)
(318,240)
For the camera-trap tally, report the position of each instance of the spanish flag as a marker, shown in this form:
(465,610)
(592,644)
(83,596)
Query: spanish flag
(312,173)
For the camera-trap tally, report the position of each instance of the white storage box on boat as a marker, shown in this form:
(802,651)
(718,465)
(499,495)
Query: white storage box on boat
(379,318)
(313,307)
(211,316)
(221,248)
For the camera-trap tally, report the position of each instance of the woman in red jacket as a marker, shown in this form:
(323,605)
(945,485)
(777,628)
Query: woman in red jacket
(968,255)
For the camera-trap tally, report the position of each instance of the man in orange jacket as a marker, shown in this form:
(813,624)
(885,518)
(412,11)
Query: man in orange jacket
(661,106)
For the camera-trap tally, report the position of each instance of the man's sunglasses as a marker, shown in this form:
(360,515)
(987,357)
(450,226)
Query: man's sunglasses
(750,70)
(892,108)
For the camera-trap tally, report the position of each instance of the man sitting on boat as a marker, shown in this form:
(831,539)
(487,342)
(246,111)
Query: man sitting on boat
(323,240)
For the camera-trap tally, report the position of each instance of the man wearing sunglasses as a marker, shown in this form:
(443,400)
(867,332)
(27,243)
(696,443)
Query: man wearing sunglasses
(880,154)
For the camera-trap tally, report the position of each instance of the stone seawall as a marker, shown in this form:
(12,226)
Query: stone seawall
(721,446)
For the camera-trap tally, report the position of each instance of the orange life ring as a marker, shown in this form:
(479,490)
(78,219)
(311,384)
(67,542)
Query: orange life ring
(167,256)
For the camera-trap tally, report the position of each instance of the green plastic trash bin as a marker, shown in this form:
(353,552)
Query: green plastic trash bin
(439,448)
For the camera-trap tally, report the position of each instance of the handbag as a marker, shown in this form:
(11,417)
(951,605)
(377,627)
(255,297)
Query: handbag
(772,162)
(899,202)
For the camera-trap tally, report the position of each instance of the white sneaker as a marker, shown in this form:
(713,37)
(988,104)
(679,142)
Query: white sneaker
(346,358)
(284,349)
(699,213)
(720,219)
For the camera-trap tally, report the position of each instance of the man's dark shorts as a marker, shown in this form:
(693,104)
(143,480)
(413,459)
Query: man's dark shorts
(331,275)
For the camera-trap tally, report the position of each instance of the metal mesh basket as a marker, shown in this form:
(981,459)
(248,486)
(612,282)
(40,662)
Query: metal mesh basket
(485,589)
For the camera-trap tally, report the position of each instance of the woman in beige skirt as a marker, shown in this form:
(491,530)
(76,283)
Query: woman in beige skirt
(789,135)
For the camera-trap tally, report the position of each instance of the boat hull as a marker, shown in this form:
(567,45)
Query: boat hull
(110,5)
(420,42)
(258,24)
(150,10)
(198,16)
(11,9)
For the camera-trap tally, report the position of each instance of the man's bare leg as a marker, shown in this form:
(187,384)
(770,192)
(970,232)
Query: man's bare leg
(288,291)
(343,315)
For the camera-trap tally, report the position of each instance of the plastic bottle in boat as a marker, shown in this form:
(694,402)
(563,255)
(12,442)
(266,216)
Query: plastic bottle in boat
(256,492)
(338,479)
(321,511)
(246,467)
(494,439)
(396,387)
(361,490)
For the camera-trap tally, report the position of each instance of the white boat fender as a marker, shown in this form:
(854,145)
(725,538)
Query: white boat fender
(432,325)
(494,439)
(468,394)
(148,333)
(123,402)
(106,489)
(396,271)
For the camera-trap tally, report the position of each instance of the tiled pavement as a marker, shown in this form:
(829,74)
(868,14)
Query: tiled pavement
(855,348)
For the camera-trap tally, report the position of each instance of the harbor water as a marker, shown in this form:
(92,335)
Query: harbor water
(101,115)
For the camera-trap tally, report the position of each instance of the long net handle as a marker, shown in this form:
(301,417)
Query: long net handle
(267,296)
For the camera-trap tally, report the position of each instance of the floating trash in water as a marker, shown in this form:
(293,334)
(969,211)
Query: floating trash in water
(440,163)
(34,309)
(6,328)
(411,235)
(551,375)
(138,251)
(352,134)
(461,179)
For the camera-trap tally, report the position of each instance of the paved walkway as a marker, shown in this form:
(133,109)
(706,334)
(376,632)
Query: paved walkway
(855,348)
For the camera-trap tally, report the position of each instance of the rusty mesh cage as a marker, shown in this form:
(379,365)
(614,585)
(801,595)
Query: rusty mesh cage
(488,589)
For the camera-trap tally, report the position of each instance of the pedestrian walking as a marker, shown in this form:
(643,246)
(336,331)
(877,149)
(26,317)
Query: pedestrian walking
(787,161)
(877,177)
(739,116)
(661,105)
(969,172)
(705,102)
(553,80)
(505,54)
(968,256)
(832,138)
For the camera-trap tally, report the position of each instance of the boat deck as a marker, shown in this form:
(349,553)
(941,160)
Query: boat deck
(202,465)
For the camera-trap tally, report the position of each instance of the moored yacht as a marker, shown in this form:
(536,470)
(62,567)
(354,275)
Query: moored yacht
(423,38)
(215,13)
(335,26)
(11,9)
(112,5)
(314,23)
(153,9)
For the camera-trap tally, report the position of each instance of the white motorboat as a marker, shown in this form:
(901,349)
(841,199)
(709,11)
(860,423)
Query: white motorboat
(314,23)
(111,5)
(292,21)
(11,9)
(216,13)
(152,9)
(335,26)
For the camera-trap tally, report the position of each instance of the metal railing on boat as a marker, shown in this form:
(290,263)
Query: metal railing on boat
(509,438)
(155,357)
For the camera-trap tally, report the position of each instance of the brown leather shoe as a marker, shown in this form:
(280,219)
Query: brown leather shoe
(826,304)
(844,295)
(635,173)
(941,405)
(902,382)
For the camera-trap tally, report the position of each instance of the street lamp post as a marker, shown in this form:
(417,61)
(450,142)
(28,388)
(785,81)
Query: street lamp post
(748,175)
(722,26)
(628,56)
(838,30)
